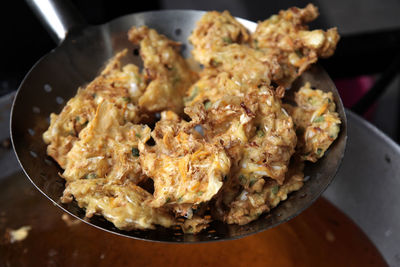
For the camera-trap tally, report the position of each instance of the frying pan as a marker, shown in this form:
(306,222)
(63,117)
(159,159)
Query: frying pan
(81,53)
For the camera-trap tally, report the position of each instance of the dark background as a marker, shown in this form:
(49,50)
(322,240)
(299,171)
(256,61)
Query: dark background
(370,31)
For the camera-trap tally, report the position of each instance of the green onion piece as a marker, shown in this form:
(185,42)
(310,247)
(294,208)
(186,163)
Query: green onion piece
(242,179)
(77,118)
(260,133)
(275,189)
(168,200)
(138,135)
(138,79)
(227,40)
(135,152)
(127,99)
(207,104)
(255,43)
(319,151)
(319,119)
(91,176)
(200,193)
(215,63)
(252,182)
(180,199)
(193,95)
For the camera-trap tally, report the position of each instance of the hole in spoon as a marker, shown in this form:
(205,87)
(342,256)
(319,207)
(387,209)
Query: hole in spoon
(59,100)
(36,110)
(178,31)
(33,154)
(31,132)
(47,88)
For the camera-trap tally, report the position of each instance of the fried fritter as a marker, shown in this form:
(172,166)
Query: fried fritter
(264,195)
(125,205)
(184,168)
(215,30)
(225,148)
(285,38)
(316,121)
(244,65)
(269,151)
(118,85)
(169,74)
(228,121)
(107,148)
(213,86)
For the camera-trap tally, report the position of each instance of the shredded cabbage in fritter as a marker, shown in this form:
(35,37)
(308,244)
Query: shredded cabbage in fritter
(170,146)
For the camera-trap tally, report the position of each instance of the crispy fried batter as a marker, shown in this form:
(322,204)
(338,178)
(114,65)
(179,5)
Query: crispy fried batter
(107,148)
(169,74)
(237,157)
(213,86)
(120,86)
(244,65)
(215,30)
(285,37)
(269,151)
(228,121)
(124,205)
(184,168)
(264,195)
(317,123)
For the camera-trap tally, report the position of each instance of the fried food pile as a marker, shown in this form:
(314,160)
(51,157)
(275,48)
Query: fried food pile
(170,146)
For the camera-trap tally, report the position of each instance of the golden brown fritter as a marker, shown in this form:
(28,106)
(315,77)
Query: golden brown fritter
(107,148)
(317,123)
(264,195)
(168,73)
(233,154)
(245,66)
(268,153)
(125,205)
(184,168)
(213,86)
(213,31)
(285,37)
(227,121)
(119,85)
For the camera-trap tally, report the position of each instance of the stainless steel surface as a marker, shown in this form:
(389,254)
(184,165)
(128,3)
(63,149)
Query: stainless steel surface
(57,16)
(367,187)
(56,77)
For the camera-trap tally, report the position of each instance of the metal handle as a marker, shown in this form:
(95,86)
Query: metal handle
(57,16)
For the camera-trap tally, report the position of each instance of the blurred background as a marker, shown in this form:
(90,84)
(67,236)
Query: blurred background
(367,54)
